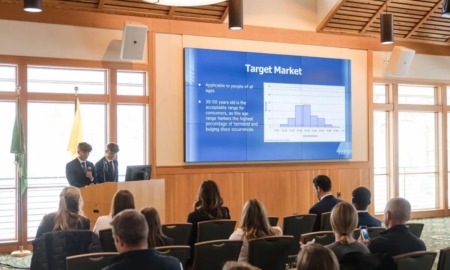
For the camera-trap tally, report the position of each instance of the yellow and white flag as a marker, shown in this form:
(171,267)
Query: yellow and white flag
(76,135)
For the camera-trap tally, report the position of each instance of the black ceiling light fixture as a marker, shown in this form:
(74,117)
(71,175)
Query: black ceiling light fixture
(32,5)
(236,15)
(446,9)
(386,28)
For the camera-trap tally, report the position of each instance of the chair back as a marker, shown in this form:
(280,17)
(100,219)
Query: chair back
(415,228)
(107,240)
(182,253)
(214,254)
(358,260)
(297,225)
(444,259)
(325,223)
(269,253)
(375,231)
(215,229)
(273,221)
(323,238)
(418,260)
(90,261)
(179,232)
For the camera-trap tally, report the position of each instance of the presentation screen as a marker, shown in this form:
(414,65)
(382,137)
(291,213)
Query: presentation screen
(242,106)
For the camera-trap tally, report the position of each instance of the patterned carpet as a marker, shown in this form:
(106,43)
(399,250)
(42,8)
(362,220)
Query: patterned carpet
(435,234)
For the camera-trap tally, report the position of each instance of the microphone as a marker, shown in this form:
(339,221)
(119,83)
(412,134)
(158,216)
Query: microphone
(89,169)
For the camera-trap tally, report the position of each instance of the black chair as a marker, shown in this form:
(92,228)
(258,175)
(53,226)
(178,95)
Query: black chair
(215,229)
(295,226)
(90,261)
(375,231)
(273,221)
(107,240)
(415,228)
(179,232)
(444,259)
(323,238)
(325,223)
(418,260)
(211,255)
(269,253)
(358,261)
(182,253)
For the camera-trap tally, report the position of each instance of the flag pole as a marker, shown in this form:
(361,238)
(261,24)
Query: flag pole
(21,252)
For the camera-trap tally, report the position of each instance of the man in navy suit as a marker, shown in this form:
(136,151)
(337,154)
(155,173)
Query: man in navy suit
(107,168)
(322,186)
(361,200)
(80,172)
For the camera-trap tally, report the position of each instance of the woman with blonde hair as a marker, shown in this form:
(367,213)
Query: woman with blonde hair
(254,224)
(122,200)
(316,257)
(69,215)
(156,237)
(344,220)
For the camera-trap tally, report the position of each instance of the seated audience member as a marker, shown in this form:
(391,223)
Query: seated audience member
(361,200)
(130,232)
(322,186)
(316,257)
(123,199)
(254,224)
(343,221)
(69,215)
(231,265)
(156,238)
(397,239)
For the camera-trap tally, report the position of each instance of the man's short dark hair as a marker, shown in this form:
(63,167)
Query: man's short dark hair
(84,147)
(131,227)
(322,181)
(361,198)
(112,147)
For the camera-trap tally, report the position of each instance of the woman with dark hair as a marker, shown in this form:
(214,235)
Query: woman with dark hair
(69,215)
(156,238)
(254,224)
(123,199)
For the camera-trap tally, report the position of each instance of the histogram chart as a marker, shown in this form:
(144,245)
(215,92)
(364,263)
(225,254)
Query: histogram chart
(304,113)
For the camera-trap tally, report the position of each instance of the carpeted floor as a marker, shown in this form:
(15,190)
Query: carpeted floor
(435,234)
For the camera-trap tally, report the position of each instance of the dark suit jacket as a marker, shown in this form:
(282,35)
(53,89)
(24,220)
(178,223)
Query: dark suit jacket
(75,174)
(364,218)
(325,205)
(104,173)
(144,259)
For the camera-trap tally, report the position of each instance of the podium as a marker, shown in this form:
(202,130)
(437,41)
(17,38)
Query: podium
(97,199)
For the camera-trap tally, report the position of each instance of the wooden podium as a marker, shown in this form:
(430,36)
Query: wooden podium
(147,193)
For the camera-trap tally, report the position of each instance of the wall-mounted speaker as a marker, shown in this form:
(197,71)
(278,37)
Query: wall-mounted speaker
(133,42)
(400,62)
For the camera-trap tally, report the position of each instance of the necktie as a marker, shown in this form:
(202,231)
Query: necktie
(112,170)
(83,165)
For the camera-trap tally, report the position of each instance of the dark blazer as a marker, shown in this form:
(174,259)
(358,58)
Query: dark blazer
(144,259)
(364,218)
(104,172)
(325,205)
(75,174)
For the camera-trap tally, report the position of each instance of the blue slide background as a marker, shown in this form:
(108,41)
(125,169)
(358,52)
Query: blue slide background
(228,67)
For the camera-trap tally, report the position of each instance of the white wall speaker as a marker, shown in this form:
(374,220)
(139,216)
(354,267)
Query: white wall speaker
(133,42)
(400,62)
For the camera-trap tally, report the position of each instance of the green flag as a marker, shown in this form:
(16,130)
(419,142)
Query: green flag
(18,147)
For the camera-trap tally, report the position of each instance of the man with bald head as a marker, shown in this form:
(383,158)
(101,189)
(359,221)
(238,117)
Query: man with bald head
(397,239)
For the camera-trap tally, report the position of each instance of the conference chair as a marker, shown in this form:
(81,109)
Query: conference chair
(214,254)
(323,238)
(215,229)
(182,253)
(269,253)
(107,240)
(325,223)
(295,226)
(273,221)
(444,259)
(358,261)
(90,261)
(418,260)
(415,228)
(179,232)
(375,231)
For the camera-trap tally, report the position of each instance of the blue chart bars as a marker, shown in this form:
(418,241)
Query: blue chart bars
(303,118)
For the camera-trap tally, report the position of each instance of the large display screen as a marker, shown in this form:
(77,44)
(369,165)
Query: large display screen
(242,106)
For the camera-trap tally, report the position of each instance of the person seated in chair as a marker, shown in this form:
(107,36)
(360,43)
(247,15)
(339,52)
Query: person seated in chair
(361,200)
(316,257)
(156,238)
(322,186)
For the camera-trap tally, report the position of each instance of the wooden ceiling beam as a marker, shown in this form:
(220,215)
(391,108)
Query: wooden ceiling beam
(375,16)
(424,19)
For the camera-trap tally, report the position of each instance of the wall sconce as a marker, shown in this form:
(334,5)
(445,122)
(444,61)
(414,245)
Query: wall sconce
(32,5)
(387,28)
(446,9)
(236,15)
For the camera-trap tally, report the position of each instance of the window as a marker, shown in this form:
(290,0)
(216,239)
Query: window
(8,82)
(381,175)
(131,83)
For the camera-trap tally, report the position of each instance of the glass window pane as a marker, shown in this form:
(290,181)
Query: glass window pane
(64,80)
(417,165)
(380,192)
(8,78)
(131,83)
(131,131)
(379,93)
(380,160)
(416,94)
